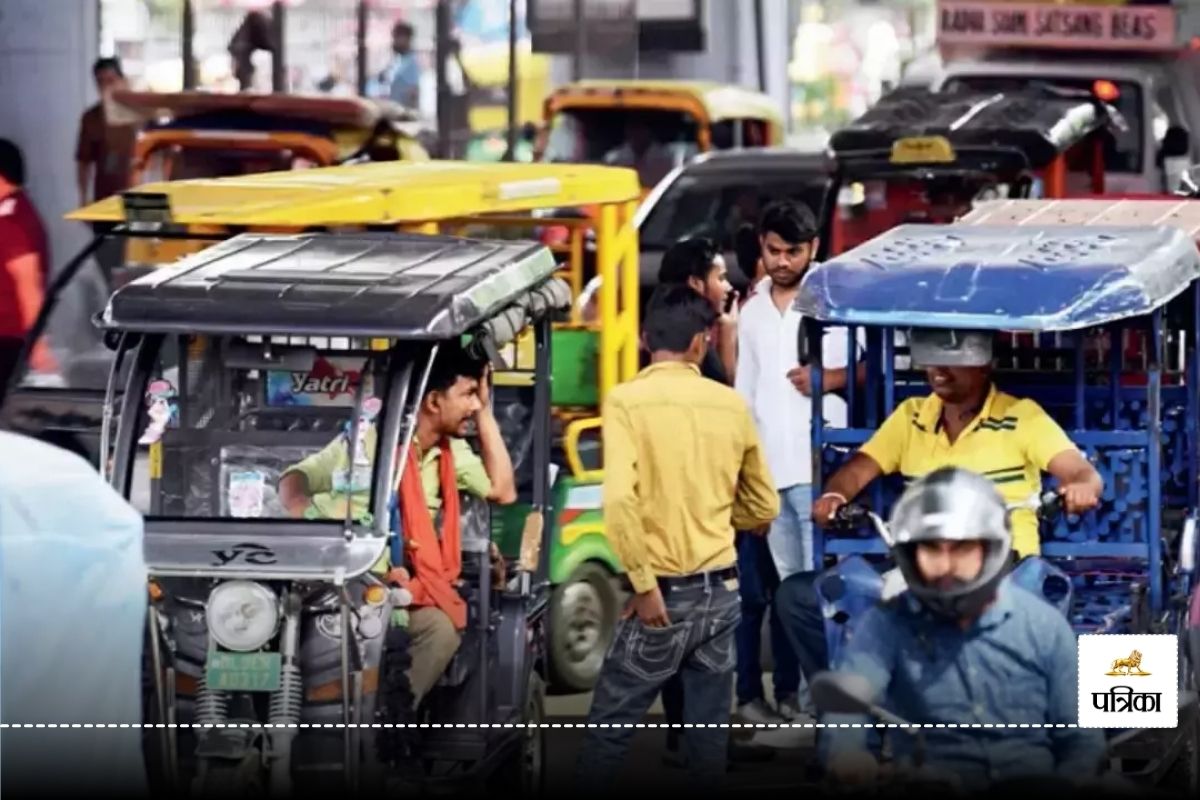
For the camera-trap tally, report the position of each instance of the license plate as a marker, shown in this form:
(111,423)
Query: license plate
(243,672)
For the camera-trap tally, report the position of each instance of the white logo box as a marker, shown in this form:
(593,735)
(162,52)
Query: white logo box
(1127,699)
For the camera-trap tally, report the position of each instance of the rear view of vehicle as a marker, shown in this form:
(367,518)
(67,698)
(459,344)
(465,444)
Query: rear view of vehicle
(1140,58)
(922,156)
(654,126)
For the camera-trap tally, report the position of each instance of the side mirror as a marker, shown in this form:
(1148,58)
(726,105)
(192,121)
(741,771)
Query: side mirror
(1177,143)
(841,693)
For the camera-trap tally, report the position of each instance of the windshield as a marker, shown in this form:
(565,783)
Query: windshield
(652,142)
(716,205)
(218,435)
(183,163)
(1123,150)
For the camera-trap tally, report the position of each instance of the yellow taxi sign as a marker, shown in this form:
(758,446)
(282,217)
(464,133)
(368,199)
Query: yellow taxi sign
(922,150)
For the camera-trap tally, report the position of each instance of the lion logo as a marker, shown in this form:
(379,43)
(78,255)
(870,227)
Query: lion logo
(1128,666)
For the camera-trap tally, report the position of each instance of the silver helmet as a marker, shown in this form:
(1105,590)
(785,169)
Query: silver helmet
(952,504)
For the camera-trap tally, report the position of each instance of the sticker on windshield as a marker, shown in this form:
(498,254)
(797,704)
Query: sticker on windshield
(247,493)
(160,408)
(332,381)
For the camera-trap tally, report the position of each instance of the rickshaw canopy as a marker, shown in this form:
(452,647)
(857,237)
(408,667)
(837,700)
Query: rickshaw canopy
(178,107)
(916,126)
(1004,277)
(388,193)
(1178,213)
(717,101)
(401,286)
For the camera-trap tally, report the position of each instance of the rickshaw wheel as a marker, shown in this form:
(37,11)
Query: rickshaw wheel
(583,615)
(1184,775)
(245,778)
(523,774)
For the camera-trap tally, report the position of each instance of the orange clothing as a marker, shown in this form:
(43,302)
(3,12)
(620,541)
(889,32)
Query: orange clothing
(436,565)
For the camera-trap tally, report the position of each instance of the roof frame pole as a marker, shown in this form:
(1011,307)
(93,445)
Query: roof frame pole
(510,151)
(441,52)
(187,41)
(278,60)
(360,47)
(580,41)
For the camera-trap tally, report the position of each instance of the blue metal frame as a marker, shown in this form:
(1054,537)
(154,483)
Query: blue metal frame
(1114,435)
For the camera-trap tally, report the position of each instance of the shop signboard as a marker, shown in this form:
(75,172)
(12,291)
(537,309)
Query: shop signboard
(656,25)
(1074,26)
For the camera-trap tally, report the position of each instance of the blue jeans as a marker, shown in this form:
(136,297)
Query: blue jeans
(698,646)
(759,582)
(791,536)
(799,611)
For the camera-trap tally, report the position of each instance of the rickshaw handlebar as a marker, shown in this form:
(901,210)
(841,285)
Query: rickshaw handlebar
(1047,506)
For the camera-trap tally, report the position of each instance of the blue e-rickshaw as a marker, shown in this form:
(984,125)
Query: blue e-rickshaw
(1100,324)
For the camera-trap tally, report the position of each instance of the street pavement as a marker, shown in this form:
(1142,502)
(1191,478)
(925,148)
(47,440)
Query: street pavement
(644,768)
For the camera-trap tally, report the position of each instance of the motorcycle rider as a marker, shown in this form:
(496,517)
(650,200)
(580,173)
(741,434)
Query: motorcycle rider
(963,645)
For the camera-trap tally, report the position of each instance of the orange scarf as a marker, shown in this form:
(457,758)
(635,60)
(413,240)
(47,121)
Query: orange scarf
(436,565)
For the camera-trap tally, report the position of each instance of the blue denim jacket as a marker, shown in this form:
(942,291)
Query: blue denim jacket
(1015,664)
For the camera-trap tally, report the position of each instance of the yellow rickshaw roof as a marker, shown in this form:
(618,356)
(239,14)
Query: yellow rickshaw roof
(721,101)
(389,193)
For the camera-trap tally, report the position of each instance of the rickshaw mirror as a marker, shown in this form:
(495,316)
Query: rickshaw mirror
(1177,143)
(293,358)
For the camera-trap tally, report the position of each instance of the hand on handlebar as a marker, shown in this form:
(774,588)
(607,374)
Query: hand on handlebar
(825,508)
(1079,497)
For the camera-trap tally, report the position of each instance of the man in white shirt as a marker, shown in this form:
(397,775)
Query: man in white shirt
(777,387)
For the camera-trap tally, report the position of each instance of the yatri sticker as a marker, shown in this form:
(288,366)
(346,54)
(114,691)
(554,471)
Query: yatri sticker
(161,408)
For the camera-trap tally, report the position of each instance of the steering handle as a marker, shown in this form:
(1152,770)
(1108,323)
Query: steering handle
(849,516)
(1050,506)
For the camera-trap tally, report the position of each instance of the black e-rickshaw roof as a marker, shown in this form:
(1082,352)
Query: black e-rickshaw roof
(1038,123)
(401,286)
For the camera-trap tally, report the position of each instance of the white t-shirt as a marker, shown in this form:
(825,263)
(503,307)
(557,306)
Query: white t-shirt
(767,350)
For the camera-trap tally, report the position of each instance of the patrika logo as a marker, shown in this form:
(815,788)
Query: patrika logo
(1128,680)
(1128,666)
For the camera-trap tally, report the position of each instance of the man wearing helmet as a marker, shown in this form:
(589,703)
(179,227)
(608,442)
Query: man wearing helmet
(964,645)
(966,422)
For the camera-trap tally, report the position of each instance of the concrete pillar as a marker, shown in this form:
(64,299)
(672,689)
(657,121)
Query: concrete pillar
(46,52)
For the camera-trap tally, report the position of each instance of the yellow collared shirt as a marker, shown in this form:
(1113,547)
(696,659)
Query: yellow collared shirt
(683,467)
(1011,441)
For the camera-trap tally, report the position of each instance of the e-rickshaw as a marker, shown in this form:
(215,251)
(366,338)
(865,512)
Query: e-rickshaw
(184,135)
(591,354)
(588,121)
(245,359)
(922,156)
(1068,288)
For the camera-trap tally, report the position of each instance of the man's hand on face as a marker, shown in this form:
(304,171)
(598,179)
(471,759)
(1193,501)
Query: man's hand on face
(485,391)
(1079,497)
(853,768)
(648,607)
(801,378)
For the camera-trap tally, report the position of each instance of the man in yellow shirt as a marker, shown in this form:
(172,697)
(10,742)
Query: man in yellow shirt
(968,423)
(683,467)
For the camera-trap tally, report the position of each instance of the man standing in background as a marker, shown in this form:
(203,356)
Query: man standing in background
(104,156)
(400,81)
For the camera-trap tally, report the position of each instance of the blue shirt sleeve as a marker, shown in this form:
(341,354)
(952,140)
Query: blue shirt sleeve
(870,653)
(1078,752)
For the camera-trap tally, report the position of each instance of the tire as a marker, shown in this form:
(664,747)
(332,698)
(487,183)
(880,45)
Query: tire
(220,779)
(523,774)
(1183,777)
(583,616)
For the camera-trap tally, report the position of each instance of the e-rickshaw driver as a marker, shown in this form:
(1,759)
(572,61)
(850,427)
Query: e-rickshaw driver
(440,464)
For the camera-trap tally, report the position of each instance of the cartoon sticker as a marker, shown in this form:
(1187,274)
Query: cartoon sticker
(247,491)
(361,479)
(161,409)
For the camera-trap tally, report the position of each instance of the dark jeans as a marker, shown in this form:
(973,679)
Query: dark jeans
(698,646)
(799,610)
(759,583)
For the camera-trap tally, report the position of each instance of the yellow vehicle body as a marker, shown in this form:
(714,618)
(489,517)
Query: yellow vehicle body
(433,197)
(487,69)
(708,104)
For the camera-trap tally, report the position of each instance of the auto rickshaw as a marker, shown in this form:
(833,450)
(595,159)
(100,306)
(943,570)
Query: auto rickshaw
(591,354)
(593,121)
(1095,306)
(185,135)
(922,156)
(259,617)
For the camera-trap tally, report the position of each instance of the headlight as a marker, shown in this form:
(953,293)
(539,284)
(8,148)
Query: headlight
(242,615)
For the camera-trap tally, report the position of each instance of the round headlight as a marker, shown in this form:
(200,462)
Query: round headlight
(242,615)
